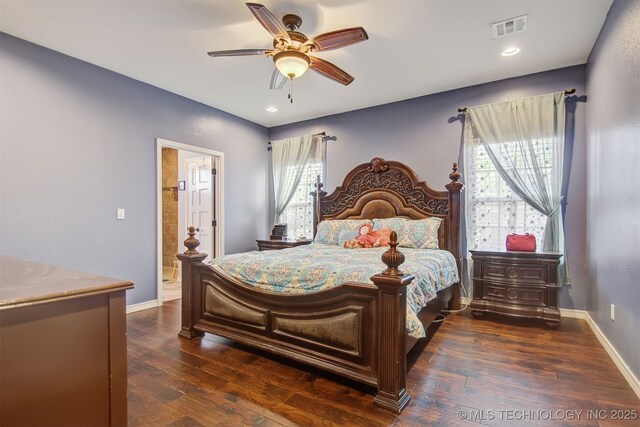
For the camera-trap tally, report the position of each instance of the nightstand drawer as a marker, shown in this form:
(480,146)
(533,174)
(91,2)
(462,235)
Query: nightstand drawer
(522,273)
(522,295)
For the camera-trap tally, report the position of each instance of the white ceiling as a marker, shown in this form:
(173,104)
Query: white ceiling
(415,47)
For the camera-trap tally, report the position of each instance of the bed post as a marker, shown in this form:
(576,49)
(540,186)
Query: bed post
(189,258)
(392,361)
(453,238)
(318,194)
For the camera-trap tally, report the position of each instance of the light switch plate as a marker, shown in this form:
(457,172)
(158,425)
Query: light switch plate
(613,312)
(120,213)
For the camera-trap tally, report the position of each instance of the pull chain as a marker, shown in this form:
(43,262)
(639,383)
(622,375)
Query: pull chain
(290,90)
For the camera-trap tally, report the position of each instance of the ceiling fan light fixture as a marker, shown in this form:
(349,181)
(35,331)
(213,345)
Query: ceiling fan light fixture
(511,51)
(291,63)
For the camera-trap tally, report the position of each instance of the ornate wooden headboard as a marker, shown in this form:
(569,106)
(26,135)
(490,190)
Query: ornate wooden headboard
(384,189)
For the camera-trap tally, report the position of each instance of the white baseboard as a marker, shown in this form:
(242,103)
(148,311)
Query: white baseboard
(573,314)
(615,356)
(142,306)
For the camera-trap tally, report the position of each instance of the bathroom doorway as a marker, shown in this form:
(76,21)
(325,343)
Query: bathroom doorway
(189,193)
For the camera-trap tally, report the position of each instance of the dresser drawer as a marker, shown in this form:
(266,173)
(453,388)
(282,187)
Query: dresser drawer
(530,273)
(521,295)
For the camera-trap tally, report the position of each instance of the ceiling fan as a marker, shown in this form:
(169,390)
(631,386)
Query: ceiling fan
(291,48)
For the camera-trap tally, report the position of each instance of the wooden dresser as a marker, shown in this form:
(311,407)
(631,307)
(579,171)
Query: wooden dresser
(521,284)
(269,245)
(63,352)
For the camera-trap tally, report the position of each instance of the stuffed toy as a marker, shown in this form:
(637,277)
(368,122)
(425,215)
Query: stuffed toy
(369,238)
(351,244)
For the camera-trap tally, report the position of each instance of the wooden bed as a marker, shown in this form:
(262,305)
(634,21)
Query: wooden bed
(356,330)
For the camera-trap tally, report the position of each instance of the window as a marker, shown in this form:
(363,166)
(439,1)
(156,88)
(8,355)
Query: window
(522,141)
(298,215)
(493,210)
(296,163)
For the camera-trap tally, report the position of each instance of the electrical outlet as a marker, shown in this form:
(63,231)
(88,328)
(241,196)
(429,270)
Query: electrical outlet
(613,312)
(120,213)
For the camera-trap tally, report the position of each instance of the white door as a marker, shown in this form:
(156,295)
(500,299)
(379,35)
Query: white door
(200,212)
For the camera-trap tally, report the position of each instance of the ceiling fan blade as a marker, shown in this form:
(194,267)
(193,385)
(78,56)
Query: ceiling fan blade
(339,38)
(277,80)
(240,52)
(329,70)
(268,21)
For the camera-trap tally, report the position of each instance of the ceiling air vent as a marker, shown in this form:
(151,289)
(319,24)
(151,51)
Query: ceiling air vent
(510,26)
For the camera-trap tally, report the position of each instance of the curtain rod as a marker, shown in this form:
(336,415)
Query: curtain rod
(567,92)
(324,136)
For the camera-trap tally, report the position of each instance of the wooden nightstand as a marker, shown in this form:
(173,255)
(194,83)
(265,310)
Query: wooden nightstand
(270,245)
(520,284)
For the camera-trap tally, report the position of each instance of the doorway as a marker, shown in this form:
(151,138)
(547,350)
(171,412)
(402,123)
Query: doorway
(170,279)
(189,187)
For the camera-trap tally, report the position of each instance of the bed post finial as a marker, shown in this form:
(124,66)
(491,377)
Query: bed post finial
(191,242)
(393,257)
(318,184)
(317,195)
(392,361)
(455,175)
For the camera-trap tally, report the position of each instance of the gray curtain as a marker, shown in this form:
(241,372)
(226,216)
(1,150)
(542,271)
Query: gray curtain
(289,157)
(523,137)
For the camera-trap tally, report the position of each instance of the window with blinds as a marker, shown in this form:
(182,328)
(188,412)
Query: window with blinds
(495,210)
(298,214)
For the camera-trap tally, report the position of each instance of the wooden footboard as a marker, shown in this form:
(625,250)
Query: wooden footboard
(355,330)
(332,330)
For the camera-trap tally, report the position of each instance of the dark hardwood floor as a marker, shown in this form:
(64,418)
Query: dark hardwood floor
(488,371)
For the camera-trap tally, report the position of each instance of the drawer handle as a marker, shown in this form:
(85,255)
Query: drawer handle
(511,272)
(512,294)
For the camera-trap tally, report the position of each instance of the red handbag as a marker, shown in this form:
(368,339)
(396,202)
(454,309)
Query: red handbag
(521,242)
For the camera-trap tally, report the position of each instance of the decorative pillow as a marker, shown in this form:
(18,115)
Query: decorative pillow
(329,231)
(346,235)
(412,233)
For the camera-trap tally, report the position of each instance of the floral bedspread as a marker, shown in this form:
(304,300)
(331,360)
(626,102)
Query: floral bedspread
(316,267)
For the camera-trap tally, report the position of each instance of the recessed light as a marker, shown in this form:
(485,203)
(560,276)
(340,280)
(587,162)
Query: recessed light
(272,109)
(510,51)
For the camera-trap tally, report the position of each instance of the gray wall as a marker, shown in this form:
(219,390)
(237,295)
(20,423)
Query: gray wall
(78,141)
(613,84)
(425,134)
